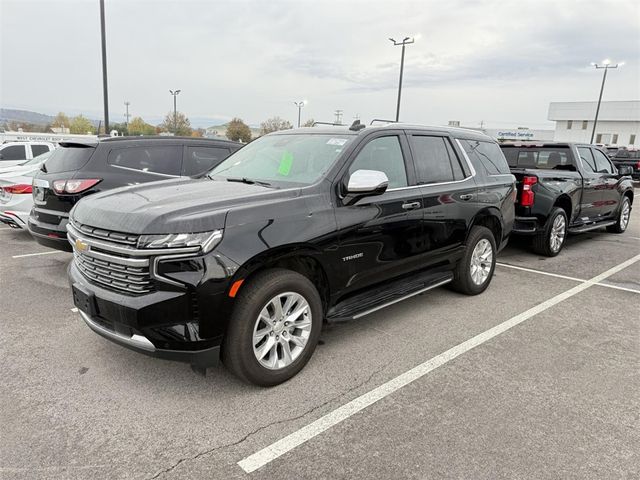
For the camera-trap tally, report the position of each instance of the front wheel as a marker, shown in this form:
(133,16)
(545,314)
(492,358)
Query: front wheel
(623,217)
(274,327)
(474,271)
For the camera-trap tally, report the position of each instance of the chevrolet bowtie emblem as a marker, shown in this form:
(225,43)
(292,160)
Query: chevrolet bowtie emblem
(81,246)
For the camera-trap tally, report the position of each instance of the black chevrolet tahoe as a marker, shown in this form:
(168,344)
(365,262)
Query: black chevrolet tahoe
(297,228)
(77,169)
(567,188)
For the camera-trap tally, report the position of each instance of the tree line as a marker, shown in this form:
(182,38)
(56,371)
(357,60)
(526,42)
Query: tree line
(236,129)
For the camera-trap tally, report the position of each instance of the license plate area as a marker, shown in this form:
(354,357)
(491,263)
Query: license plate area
(84,300)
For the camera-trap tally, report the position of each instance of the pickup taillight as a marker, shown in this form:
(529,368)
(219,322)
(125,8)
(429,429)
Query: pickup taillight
(527,197)
(638,166)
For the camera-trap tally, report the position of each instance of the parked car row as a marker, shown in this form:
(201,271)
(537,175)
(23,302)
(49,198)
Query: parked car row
(243,258)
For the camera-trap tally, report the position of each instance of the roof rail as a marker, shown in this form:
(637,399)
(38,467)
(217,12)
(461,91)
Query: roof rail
(381,120)
(327,123)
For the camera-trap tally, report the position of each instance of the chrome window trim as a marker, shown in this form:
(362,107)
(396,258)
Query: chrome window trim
(466,157)
(145,171)
(73,234)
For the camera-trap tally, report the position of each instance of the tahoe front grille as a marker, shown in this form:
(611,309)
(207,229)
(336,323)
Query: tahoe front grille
(108,235)
(114,274)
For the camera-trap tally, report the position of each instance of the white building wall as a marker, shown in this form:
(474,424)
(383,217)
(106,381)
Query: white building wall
(618,122)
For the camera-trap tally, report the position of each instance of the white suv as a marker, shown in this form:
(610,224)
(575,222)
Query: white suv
(15,153)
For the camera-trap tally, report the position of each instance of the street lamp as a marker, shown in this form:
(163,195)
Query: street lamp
(175,110)
(606,65)
(105,93)
(406,41)
(300,105)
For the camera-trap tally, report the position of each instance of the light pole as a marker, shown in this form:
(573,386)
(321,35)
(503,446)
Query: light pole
(406,41)
(175,110)
(126,115)
(300,105)
(104,70)
(606,65)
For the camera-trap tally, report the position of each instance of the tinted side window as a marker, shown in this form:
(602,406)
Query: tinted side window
(602,162)
(39,149)
(385,155)
(587,159)
(13,152)
(432,159)
(488,154)
(202,159)
(166,160)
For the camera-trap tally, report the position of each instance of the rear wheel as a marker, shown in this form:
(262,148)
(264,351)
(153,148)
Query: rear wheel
(274,327)
(623,217)
(550,241)
(474,271)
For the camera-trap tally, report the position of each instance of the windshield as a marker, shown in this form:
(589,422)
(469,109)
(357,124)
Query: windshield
(287,160)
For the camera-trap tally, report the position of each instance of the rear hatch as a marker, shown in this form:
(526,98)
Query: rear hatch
(50,192)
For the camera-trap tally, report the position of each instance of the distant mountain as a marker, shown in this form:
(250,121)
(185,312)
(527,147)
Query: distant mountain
(10,115)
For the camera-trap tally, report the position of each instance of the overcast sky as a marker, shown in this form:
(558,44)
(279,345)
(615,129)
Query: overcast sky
(499,61)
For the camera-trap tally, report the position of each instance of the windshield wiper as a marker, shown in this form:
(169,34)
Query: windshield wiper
(248,181)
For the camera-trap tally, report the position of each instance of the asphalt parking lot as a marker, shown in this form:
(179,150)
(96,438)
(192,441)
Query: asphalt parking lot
(536,378)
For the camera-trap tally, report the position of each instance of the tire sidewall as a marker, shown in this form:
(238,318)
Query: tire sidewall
(625,201)
(547,238)
(246,314)
(479,233)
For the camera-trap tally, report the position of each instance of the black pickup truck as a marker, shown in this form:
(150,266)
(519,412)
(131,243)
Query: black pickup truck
(567,188)
(628,157)
(298,227)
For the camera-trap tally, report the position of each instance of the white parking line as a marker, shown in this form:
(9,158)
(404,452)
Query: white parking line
(288,443)
(615,287)
(36,254)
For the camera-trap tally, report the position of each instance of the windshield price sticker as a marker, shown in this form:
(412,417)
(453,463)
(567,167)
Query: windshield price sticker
(337,141)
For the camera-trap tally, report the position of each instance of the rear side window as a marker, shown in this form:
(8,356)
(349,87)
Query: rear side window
(68,158)
(488,154)
(587,159)
(39,149)
(166,160)
(435,160)
(13,152)
(202,159)
(539,157)
(602,162)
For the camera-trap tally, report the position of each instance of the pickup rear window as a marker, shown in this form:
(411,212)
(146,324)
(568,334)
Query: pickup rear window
(546,158)
(68,158)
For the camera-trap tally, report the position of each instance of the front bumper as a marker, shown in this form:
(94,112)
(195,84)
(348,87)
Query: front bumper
(161,324)
(206,357)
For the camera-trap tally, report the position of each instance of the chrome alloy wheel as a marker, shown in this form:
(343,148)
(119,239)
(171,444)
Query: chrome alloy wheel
(481,261)
(282,330)
(624,215)
(557,234)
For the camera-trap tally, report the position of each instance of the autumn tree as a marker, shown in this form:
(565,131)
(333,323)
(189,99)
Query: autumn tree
(81,125)
(177,124)
(273,125)
(137,126)
(238,131)
(61,121)
(121,128)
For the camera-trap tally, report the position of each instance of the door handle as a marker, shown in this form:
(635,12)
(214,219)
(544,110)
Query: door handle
(411,205)
(466,196)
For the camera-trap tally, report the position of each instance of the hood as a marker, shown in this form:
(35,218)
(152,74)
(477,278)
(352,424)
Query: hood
(171,206)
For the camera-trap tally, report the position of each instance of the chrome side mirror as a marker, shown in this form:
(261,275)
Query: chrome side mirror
(364,183)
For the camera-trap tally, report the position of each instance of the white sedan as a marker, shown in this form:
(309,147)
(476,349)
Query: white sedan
(16,199)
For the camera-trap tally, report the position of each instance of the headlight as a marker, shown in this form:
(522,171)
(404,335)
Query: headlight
(205,240)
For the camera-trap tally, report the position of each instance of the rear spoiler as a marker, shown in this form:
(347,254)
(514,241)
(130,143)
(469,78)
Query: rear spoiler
(77,144)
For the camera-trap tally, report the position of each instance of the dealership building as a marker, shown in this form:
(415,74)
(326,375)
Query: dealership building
(618,122)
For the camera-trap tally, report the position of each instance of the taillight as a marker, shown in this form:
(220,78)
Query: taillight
(74,186)
(638,166)
(527,197)
(18,189)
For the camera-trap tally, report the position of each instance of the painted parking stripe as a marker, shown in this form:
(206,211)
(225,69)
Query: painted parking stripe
(297,438)
(36,254)
(615,287)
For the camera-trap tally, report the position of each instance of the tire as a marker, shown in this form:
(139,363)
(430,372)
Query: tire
(624,215)
(550,241)
(464,280)
(261,295)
